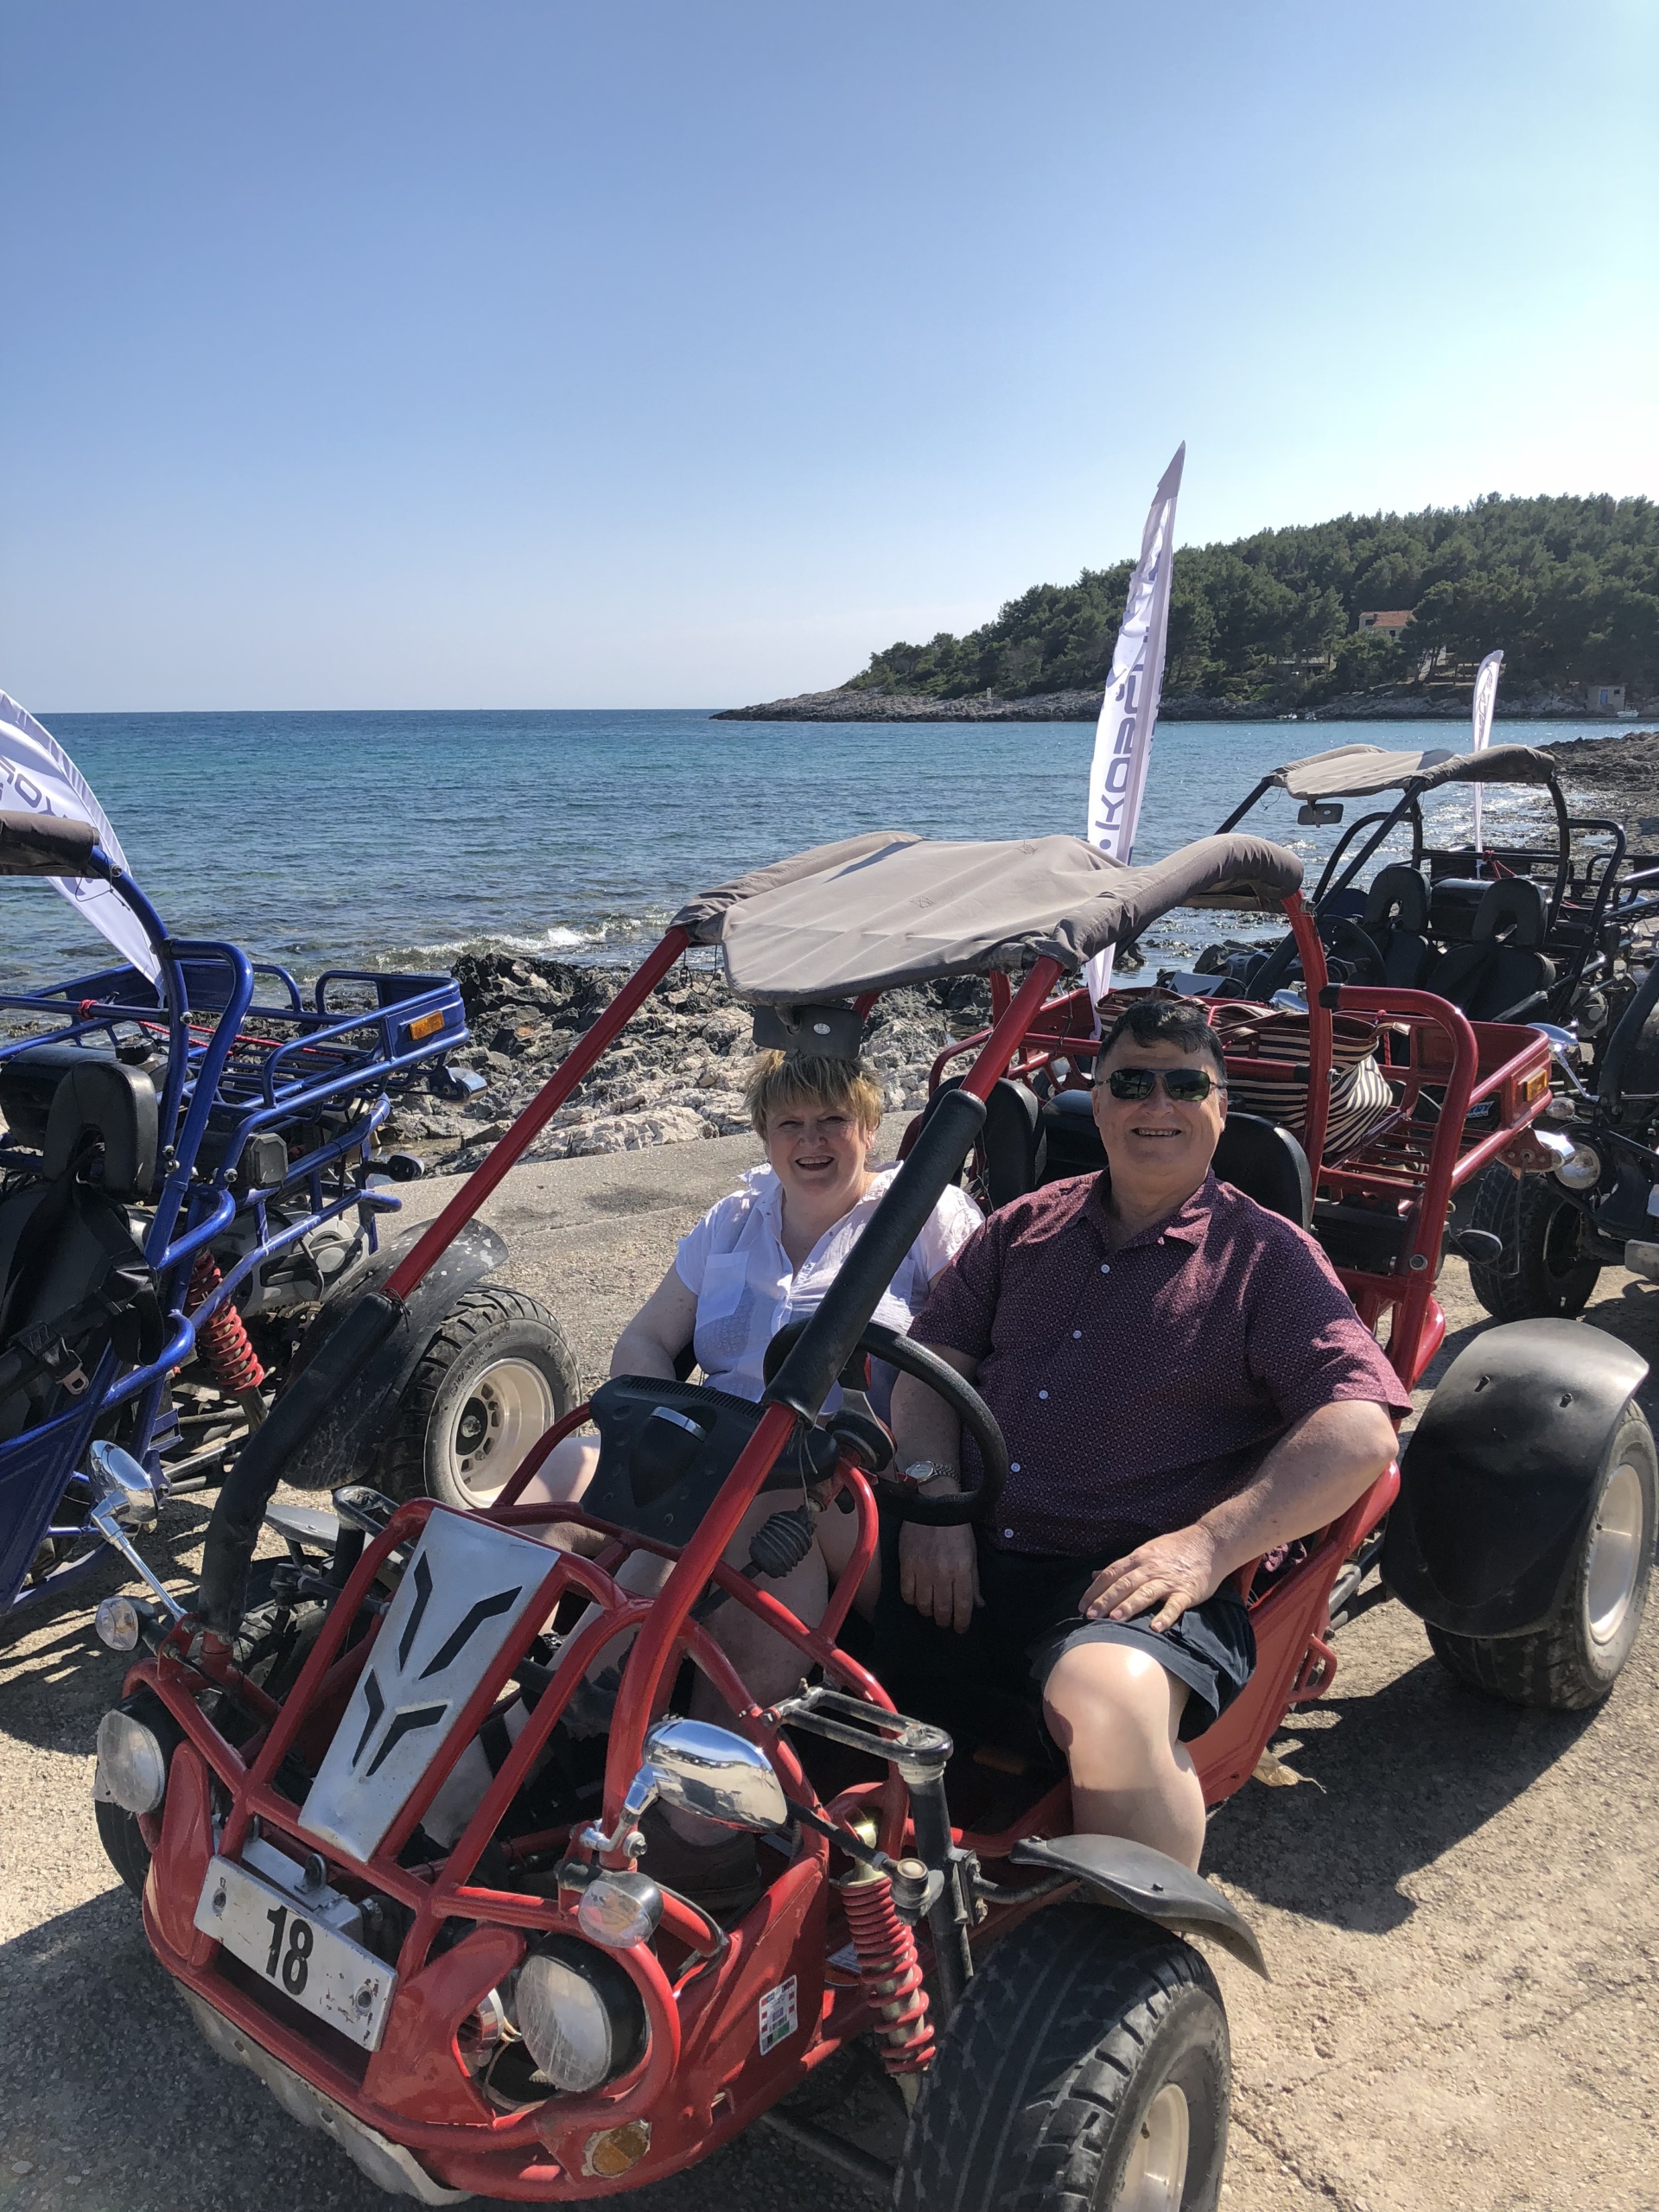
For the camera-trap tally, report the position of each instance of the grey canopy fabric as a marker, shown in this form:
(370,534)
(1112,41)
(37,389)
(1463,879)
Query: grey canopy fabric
(876,912)
(44,845)
(1360,771)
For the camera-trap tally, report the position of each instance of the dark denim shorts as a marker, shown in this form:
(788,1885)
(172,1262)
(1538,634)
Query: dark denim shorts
(1030,1617)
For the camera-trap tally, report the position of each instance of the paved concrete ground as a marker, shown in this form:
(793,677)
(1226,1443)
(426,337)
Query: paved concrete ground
(1458,1903)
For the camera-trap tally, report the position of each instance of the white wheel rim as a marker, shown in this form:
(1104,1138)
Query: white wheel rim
(1615,1562)
(508,1406)
(1156,2174)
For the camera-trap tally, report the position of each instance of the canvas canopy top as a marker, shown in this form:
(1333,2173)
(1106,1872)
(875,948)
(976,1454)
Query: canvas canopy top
(888,908)
(1360,771)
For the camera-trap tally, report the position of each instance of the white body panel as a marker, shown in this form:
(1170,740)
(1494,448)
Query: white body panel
(464,1591)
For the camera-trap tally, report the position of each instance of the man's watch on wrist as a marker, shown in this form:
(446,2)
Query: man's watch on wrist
(919,1473)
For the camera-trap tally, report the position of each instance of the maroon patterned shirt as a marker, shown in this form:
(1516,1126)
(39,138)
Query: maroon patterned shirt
(1139,1386)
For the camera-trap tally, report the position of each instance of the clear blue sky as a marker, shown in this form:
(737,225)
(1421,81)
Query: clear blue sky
(466,353)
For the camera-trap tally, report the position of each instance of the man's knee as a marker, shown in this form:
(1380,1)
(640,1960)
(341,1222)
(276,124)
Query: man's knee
(1114,1701)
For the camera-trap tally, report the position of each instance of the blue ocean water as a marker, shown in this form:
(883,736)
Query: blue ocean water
(357,839)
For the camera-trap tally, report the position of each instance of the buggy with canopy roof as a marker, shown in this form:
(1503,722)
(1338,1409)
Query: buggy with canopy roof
(531,2015)
(1512,933)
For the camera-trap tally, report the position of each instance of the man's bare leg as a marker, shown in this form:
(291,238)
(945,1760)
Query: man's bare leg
(1115,1712)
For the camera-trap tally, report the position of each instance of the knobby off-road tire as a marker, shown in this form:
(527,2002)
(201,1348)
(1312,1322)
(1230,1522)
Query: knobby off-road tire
(1544,1270)
(495,1373)
(1083,2044)
(271,1646)
(1576,1657)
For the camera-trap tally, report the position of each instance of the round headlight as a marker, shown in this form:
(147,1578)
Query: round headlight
(131,1763)
(1583,1170)
(580,2015)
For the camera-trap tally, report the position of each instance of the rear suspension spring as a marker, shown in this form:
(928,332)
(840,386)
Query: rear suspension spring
(222,1337)
(890,1971)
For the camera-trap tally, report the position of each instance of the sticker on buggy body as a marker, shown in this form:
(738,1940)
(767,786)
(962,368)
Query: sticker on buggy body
(779,2016)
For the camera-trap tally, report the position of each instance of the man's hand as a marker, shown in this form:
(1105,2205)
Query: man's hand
(938,1572)
(1171,1573)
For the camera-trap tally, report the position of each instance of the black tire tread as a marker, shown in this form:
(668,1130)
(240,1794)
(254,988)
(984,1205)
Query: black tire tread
(1038,2060)
(1519,1289)
(401,1459)
(1546,1668)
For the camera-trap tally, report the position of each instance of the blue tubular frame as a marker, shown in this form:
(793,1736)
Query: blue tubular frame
(231,1083)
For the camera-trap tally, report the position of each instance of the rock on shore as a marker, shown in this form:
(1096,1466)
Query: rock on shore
(677,1073)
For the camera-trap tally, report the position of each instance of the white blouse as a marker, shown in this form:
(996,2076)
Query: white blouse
(734,1263)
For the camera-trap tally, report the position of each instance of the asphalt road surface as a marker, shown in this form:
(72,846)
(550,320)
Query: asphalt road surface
(1458,1902)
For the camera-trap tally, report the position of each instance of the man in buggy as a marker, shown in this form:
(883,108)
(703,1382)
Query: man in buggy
(1184,1387)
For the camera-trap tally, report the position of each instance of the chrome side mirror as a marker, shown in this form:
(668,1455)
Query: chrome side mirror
(717,1774)
(121,1492)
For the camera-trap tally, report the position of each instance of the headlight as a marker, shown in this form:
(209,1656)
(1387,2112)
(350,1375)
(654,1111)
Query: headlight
(116,1623)
(1583,1170)
(620,1910)
(131,1763)
(580,2015)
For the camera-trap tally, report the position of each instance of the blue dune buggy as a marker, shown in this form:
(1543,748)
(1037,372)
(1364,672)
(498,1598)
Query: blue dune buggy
(188,1181)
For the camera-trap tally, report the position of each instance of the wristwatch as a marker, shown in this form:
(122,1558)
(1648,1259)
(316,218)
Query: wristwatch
(920,1472)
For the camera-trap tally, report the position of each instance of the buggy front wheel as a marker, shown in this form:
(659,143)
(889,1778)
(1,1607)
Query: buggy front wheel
(1087,2065)
(496,1373)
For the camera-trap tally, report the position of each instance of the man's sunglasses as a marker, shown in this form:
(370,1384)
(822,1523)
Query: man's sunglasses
(1182,1086)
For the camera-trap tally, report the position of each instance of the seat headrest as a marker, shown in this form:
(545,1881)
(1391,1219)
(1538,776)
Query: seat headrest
(116,1105)
(1399,899)
(1514,903)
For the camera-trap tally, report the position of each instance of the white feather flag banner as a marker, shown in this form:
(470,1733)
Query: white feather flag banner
(1129,712)
(38,777)
(1486,706)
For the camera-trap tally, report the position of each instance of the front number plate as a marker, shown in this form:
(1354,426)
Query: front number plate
(317,1967)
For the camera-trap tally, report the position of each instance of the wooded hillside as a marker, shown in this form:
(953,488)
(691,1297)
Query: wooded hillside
(1569,587)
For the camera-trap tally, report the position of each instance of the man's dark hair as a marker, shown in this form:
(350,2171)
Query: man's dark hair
(1165,1021)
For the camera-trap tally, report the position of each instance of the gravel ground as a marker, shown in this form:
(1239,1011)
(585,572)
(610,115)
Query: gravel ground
(1459,1903)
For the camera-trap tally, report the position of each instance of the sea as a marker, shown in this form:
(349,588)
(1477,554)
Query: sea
(401,840)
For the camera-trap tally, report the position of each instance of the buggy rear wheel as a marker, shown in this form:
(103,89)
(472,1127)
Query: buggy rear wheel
(1546,1268)
(1574,1659)
(1087,2065)
(495,1375)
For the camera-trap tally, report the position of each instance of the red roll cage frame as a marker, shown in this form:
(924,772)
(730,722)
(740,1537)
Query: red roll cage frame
(700,2004)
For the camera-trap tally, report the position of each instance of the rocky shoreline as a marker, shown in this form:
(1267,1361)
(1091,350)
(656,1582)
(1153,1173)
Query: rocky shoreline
(854,705)
(677,1073)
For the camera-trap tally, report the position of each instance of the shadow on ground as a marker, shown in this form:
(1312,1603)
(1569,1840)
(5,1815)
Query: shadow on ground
(1403,1774)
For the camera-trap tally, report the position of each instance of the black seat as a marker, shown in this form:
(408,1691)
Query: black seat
(1501,974)
(1254,1155)
(66,1238)
(1012,1140)
(1396,920)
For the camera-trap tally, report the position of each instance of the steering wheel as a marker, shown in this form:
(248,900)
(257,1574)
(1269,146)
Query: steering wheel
(1350,942)
(976,1417)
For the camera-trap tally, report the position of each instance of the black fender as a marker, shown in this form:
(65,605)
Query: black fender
(333,1406)
(1499,1475)
(1134,1878)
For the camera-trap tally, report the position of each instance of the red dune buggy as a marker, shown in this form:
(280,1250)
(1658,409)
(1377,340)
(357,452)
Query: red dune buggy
(534,2014)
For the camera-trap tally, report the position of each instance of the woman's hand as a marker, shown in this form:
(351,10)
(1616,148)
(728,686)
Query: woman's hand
(1173,1572)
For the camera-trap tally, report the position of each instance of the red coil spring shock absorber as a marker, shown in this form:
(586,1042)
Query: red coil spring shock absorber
(890,1971)
(223,1337)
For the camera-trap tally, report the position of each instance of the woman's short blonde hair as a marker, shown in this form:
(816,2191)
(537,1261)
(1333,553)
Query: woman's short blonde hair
(829,1086)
